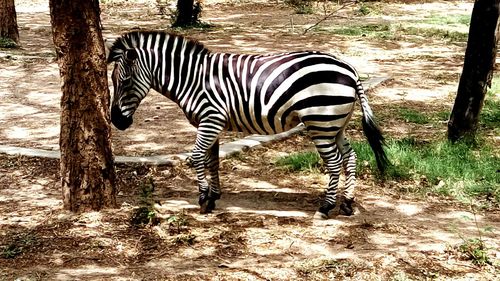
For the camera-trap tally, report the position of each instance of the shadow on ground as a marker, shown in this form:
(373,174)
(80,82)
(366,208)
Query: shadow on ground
(262,228)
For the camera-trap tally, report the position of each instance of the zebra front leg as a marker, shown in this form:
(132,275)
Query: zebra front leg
(212,164)
(333,161)
(199,166)
(206,139)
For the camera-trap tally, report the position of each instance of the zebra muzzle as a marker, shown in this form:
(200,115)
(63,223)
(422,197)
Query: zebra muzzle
(119,121)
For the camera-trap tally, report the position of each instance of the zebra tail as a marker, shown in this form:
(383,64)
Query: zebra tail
(371,130)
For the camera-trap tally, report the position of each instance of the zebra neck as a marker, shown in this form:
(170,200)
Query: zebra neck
(178,77)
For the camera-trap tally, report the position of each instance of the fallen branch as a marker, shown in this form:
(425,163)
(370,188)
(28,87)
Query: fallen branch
(332,14)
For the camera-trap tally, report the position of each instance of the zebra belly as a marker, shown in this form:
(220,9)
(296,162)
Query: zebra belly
(324,105)
(285,110)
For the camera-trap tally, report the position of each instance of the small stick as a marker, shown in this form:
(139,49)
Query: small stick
(329,16)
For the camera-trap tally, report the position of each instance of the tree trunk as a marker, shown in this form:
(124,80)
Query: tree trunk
(87,165)
(8,21)
(184,13)
(477,72)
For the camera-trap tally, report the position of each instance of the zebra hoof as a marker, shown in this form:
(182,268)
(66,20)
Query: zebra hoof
(320,216)
(189,162)
(346,208)
(207,207)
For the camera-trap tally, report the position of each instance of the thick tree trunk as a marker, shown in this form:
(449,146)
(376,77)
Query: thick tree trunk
(477,72)
(87,168)
(8,21)
(184,13)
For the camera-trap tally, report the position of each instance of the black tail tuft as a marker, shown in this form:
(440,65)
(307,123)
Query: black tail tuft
(376,141)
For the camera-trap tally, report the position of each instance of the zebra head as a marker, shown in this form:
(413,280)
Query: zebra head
(130,81)
(125,100)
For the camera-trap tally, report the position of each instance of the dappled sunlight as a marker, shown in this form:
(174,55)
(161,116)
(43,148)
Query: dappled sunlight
(86,271)
(9,110)
(16,203)
(175,205)
(409,209)
(255,184)
(460,215)
(44,98)
(262,227)
(276,213)
(28,133)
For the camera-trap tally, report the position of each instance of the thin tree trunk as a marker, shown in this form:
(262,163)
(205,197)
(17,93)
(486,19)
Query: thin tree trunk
(8,21)
(477,72)
(87,165)
(184,13)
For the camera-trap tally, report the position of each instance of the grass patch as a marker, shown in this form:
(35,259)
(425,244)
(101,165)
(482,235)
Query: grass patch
(383,31)
(19,244)
(146,213)
(177,223)
(442,116)
(475,250)
(301,6)
(317,268)
(440,167)
(438,33)
(490,114)
(450,169)
(309,161)
(393,32)
(7,43)
(440,19)
(413,116)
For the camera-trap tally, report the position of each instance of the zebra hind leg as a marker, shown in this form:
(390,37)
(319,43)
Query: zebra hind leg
(207,200)
(333,161)
(349,162)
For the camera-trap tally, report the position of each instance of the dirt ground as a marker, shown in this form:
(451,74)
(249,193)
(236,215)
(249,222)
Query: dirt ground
(262,228)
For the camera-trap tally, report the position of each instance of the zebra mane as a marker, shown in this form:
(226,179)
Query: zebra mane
(139,39)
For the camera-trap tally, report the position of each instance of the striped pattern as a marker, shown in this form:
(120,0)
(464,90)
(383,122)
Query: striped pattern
(257,94)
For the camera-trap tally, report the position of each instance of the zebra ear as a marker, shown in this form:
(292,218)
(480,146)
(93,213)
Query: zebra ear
(131,55)
(108,44)
(112,54)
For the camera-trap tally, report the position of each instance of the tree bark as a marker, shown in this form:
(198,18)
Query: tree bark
(87,164)
(8,21)
(477,71)
(184,13)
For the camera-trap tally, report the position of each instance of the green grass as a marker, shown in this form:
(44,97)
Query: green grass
(438,33)
(439,167)
(315,269)
(475,250)
(413,116)
(7,43)
(146,213)
(450,169)
(393,32)
(439,19)
(490,114)
(20,243)
(383,31)
(301,6)
(303,161)
(442,115)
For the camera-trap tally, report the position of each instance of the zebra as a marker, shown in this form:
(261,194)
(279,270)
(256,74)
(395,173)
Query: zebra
(254,94)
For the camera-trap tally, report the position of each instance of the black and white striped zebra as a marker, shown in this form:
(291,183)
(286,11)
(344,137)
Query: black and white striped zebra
(257,94)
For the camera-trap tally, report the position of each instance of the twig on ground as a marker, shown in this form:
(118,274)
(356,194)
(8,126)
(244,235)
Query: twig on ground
(332,14)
